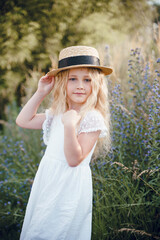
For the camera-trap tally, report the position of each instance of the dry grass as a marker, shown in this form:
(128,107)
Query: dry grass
(139,232)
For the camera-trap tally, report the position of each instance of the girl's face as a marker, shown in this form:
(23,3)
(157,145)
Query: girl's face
(78,87)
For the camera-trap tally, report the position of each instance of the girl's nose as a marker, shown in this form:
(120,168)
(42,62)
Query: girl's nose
(80,85)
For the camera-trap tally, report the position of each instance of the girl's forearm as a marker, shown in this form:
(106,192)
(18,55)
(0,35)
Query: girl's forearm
(72,148)
(29,111)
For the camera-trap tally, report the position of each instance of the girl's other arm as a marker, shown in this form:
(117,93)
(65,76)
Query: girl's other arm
(28,117)
(76,148)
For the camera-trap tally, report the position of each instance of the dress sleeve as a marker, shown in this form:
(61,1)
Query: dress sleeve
(92,122)
(46,127)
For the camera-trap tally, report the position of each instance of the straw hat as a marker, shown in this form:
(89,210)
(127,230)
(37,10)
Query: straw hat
(79,56)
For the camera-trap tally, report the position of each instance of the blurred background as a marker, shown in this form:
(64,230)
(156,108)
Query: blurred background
(33,33)
(126,182)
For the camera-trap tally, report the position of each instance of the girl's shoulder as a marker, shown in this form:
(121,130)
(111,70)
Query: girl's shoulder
(93,121)
(93,114)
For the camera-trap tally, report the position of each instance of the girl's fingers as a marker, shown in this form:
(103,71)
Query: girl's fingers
(46,79)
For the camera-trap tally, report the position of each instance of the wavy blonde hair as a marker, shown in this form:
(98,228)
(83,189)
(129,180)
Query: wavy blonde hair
(97,100)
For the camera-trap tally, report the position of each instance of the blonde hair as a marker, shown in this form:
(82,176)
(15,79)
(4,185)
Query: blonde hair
(97,100)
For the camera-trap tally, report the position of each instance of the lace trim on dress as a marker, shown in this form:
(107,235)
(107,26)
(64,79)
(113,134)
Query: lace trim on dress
(47,126)
(92,122)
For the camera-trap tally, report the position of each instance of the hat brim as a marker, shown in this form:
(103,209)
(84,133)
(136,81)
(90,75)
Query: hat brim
(105,70)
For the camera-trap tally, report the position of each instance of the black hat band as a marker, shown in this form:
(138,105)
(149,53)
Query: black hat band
(79,60)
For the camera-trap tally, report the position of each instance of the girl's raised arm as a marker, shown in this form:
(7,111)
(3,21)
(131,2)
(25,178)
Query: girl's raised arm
(28,117)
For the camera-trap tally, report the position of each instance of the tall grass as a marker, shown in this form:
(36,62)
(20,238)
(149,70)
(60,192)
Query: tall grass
(20,153)
(126,182)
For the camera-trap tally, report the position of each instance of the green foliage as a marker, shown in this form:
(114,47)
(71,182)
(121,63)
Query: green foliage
(127,181)
(19,39)
(19,162)
(123,201)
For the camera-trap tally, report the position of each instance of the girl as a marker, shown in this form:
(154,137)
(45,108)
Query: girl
(60,203)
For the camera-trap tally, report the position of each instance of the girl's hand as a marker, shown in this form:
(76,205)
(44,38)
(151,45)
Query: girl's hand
(71,118)
(45,85)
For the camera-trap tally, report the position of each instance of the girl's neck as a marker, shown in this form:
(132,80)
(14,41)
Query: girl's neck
(75,107)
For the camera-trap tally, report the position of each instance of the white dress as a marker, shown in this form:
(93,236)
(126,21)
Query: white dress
(60,202)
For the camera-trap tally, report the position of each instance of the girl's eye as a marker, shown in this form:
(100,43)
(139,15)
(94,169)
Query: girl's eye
(87,79)
(72,79)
